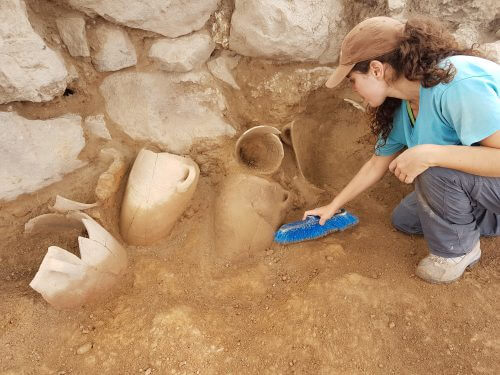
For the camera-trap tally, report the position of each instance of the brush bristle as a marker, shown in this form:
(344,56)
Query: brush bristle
(309,229)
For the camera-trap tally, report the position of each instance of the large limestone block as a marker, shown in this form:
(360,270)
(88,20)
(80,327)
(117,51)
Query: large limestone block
(337,29)
(182,54)
(113,49)
(29,70)
(297,30)
(168,109)
(36,153)
(170,18)
(72,32)
(480,13)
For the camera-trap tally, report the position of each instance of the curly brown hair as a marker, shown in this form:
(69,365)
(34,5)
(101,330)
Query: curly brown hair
(424,44)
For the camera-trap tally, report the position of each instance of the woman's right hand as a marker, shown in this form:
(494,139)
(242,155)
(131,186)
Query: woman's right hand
(324,212)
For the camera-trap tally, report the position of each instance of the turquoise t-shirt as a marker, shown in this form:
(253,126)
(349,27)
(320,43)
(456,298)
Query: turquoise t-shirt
(462,112)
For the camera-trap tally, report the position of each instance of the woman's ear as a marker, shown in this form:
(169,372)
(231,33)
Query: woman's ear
(377,69)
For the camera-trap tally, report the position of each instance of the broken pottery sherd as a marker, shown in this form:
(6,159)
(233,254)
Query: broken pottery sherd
(109,181)
(301,139)
(286,134)
(67,281)
(248,211)
(66,205)
(158,191)
(260,149)
(46,223)
(356,104)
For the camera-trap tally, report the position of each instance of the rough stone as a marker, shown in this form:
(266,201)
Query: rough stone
(29,70)
(170,109)
(36,153)
(492,50)
(397,9)
(222,66)
(182,54)
(466,35)
(96,125)
(72,74)
(109,181)
(396,5)
(171,18)
(85,348)
(222,23)
(113,49)
(283,30)
(479,13)
(337,29)
(72,32)
(278,96)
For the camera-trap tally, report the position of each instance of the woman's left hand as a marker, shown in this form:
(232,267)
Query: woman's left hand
(412,162)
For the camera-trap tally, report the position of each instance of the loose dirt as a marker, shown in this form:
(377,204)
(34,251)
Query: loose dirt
(348,303)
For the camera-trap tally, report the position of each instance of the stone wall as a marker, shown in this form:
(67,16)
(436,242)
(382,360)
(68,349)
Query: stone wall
(171,73)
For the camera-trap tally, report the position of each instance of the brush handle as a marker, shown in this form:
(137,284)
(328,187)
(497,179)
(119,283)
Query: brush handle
(339,212)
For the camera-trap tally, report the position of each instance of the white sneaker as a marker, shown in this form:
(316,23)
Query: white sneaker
(435,269)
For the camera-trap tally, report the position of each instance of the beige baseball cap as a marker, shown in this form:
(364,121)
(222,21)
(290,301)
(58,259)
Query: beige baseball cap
(371,38)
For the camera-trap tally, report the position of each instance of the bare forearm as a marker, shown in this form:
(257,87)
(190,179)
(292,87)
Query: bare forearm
(369,174)
(480,160)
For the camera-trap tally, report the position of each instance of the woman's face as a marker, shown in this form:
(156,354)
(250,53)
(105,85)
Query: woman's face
(371,86)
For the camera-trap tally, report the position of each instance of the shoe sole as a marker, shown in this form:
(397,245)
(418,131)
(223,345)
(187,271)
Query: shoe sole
(469,267)
(473,264)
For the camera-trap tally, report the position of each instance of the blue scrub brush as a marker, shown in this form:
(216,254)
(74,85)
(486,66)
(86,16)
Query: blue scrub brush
(309,229)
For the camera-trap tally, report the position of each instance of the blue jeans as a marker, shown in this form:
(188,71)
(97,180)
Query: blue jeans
(451,209)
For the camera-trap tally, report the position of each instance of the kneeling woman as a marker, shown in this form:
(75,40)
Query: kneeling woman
(436,111)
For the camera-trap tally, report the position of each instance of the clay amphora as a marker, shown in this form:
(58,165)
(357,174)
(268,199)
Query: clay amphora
(67,281)
(260,150)
(249,209)
(158,191)
(301,137)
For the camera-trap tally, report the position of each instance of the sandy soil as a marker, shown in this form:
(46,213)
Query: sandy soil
(345,304)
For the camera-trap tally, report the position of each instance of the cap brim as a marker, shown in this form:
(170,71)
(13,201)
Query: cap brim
(338,75)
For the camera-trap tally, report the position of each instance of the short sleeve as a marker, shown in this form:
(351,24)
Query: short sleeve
(395,140)
(390,147)
(472,107)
